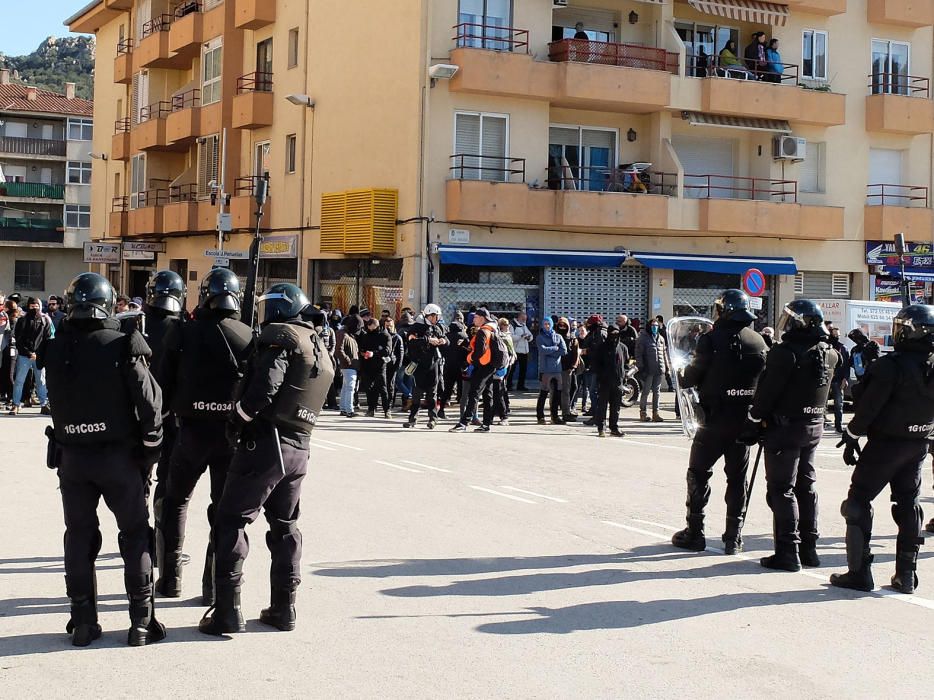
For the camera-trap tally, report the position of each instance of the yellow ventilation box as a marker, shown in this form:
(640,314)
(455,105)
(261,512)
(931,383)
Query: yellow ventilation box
(359,221)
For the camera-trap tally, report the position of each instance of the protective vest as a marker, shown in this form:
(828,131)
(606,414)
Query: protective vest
(308,379)
(808,384)
(158,324)
(486,356)
(212,362)
(909,412)
(737,361)
(86,374)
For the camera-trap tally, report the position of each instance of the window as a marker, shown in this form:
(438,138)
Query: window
(77,216)
(293,48)
(29,275)
(814,54)
(581,158)
(208,155)
(80,129)
(137,178)
(261,159)
(211,4)
(211,62)
(480,146)
(890,67)
(490,20)
(290,144)
(79,173)
(813,170)
(703,43)
(264,66)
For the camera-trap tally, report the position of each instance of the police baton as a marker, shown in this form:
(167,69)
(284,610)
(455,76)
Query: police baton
(752,482)
(260,192)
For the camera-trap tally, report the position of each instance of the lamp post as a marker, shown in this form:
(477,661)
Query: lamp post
(900,251)
(260,193)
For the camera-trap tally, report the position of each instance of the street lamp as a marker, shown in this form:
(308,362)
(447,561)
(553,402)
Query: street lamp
(301,100)
(260,193)
(900,251)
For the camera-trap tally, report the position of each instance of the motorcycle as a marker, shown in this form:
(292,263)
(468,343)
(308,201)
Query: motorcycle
(631,386)
(683,334)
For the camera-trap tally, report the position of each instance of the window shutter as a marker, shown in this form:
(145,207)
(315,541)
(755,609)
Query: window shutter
(840,284)
(799,283)
(466,142)
(207,165)
(493,144)
(810,174)
(134,100)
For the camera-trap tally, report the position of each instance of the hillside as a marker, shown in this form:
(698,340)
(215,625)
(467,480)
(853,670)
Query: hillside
(57,61)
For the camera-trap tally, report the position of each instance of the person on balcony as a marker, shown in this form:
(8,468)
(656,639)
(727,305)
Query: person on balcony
(754,54)
(579,32)
(774,66)
(701,63)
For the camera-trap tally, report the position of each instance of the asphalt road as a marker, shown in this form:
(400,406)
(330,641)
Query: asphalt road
(529,562)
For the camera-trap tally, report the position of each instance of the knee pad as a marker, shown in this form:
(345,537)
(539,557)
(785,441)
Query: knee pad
(279,530)
(857,513)
(907,512)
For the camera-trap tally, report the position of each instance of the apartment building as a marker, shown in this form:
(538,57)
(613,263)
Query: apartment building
(561,156)
(45,187)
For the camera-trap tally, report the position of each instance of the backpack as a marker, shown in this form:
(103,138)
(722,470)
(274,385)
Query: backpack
(500,356)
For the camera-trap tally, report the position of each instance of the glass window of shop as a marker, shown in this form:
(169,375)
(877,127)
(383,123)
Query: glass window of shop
(696,292)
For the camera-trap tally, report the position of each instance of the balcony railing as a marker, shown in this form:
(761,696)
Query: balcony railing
(122,125)
(183,193)
(896,195)
(159,23)
(150,198)
(625,178)
(187,7)
(610,54)
(120,204)
(124,46)
(470,35)
(493,168)
(729,187)
(897,84)
(32,223)
(186,100)
(22,146)
(157,110)
(36,190)
(704,66)
(258,81)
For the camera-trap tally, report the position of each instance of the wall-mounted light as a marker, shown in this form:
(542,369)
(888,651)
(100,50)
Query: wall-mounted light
(301,100)
(631,135)
(98,156)
(633,17)
(442,71)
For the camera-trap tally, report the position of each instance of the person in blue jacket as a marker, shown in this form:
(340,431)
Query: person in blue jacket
(551,348)
(774,66)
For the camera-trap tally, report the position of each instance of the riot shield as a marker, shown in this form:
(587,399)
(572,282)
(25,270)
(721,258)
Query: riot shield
(683,334)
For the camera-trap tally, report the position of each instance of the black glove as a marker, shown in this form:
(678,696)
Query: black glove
(234,428)
(851,451)
(751,434)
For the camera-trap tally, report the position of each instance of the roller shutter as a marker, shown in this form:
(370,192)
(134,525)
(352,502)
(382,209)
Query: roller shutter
(578,292)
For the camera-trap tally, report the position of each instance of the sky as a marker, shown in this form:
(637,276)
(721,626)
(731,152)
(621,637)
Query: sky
(27,22)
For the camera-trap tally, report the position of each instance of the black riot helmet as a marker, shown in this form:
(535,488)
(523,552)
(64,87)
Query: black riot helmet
(315,316)
(914,323)
(220,291)
(802,315)
(733,305)
(90,296)
(281,302)
(165,290)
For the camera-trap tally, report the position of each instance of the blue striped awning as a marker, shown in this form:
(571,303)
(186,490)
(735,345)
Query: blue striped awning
(731,264)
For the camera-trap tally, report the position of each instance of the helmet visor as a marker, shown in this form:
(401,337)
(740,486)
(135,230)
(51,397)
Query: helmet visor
(269,306)
(166,303)
(789,320)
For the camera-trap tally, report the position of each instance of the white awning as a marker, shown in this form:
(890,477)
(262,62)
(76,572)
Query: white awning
(753,11)
(778,126)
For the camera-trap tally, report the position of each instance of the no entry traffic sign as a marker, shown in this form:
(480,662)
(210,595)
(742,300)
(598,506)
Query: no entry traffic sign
(754,282)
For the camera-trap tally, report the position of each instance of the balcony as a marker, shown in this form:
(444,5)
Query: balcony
(726,90)
(32,230)
(252,107)
(153,50)
(899,104)
(892,209)
(119,218)
(147,218)
(180,214)
(905,13)
(32,190)
(610,54)
(150,134)
(186,34)
(32,148)
(123,63)
(120,143)
(243,206)
(818,7)
(253,14)
(183,125)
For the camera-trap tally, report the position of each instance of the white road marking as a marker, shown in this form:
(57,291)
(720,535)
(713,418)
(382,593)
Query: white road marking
(337,444)
(630,528)
(532,493)
(627,441)
(504,495)
(653,524)
(396,466)
(426,466)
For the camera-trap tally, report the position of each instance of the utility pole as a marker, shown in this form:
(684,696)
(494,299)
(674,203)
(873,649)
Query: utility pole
(260,193)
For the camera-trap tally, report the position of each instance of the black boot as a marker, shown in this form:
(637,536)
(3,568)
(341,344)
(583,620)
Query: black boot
(281,611)
(732,537)
(808,552)
(858,559)
(169,583)
(144,627)
(226,617)
(859,579)
(83,626)
(692,537)
(207,579)
(905,579)
(784,559)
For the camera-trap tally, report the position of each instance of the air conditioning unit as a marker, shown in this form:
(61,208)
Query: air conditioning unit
(789,148)
(557,4)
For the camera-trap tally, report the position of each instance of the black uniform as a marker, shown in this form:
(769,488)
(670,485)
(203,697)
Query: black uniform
(427,359)
(284,390)
(455,360)
(203,363)
(608,362)
(107,416)
(373,369)
(792,399)
(895,409)
(725,370)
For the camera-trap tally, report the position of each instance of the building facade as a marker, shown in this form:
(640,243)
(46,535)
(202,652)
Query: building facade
(45,187)
(583,156)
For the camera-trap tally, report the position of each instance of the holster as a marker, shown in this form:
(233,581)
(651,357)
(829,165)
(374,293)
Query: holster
(53,453)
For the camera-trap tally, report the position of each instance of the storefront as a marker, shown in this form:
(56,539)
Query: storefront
(363,282)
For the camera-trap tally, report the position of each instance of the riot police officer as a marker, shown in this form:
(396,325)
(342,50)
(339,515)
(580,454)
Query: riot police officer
(107,418)
(163,310)
(203,362)
(725,370)
(285,387)
(790,401)
(895,409)
(424,341)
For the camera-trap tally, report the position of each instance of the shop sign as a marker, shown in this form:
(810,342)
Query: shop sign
(138,254)
(278,247)
(148,246)
(104,253)
(883,253)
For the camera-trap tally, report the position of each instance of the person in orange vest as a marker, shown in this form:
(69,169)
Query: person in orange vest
(481,367)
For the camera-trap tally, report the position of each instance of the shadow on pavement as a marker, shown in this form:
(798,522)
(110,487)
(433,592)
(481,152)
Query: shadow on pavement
(58,642)
(54,565)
